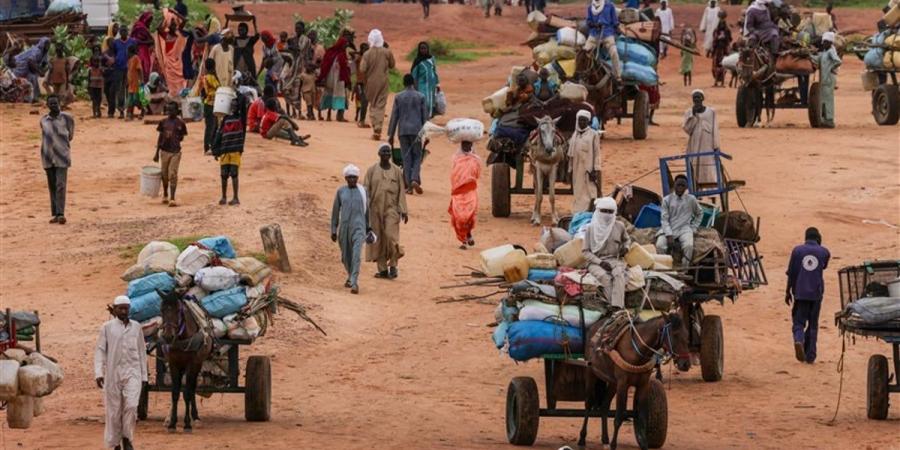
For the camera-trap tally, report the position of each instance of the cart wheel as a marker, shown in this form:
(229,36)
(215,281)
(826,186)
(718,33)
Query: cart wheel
(712,349)
(886,104)
(814,108)
(740,108)
(258,394)
(143,402)
(500,198)
(658,419)
(640,116)
(522,411)
(746,105)
(877,388)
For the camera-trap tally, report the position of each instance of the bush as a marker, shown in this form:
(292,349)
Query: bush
(73,45)
(328,29)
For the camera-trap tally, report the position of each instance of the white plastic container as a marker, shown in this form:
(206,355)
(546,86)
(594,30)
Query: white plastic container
(570,37)
(492,258)
(222,105)
(151,181)
(570,254)
(56,372)
(20,411)
(573,92)
(515,266)
(9,379)
(34,381)
(639,256)
(192,109)
(894,288)
(495,102)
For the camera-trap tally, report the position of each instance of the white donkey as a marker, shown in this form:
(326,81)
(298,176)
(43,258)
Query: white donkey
(546,148)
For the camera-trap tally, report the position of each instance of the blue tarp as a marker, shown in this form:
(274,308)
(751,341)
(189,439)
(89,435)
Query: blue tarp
(219,244)
(532,338)
(22,9)
(578,220)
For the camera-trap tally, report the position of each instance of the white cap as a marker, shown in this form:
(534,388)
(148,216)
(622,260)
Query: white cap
(351,170)
(697,91)
(828,36)
(121,300)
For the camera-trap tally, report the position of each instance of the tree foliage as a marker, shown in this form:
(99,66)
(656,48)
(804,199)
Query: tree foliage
(328,29)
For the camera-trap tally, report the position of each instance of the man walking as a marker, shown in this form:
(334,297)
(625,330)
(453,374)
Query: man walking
(407,118)
(120,71)
(805,286)
(667,23)
(57,132)
(350,224)
(387,207)
(374,67)
(120,369)
(681,216)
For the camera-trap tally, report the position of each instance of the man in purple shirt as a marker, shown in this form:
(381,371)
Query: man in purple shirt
(805,287)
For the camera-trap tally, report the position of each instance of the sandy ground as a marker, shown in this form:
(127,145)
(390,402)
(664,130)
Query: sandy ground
(397,369)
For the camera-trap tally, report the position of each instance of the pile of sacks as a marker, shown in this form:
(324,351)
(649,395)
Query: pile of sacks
(211,273)
(25,378)
(885,53)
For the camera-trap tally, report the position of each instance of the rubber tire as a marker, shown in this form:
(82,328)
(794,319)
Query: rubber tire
(258,394)
(143,403)
(500,196)
(740,107)
(814,107)
(522,411)
(886,104)
(877,388)
(640,118)
(746,106)
(712,349)
(658,423)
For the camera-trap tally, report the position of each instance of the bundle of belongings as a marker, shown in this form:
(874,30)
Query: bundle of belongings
(884,52)
(25,376)
(227,294)
(879,309)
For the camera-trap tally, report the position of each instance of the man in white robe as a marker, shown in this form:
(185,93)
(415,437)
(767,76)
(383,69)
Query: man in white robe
(667,24)
(708,23)
(702,127)
(120,369)
(584,162)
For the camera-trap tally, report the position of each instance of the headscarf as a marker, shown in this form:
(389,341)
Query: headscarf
(602,223)
(267,37)
(141,29)
(419,56)
(828,36)
(35,54)
(586,114)
(376,39)
(597,6)
(214,25)
(122,300)
(336,53)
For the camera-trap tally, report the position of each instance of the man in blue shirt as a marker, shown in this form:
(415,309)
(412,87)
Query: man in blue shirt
(121,68)
(603,23)
(805,287)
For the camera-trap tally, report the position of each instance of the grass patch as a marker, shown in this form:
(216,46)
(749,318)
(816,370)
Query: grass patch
(259,256)
(131,251)
(450,51)
(395,80)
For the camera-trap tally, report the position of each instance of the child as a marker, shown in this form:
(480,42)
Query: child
(282,44)
(95,80)
(172,131)
(135,76)
(58,77)
(275,124)
(228,147)
(308,89)
(208,91)
(687,58)
(110,87)
(359,90)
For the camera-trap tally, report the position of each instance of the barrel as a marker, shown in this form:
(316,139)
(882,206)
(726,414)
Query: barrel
(222,105)
(151,179)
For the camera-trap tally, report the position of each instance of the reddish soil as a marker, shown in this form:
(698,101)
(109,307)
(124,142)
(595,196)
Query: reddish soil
(398,369)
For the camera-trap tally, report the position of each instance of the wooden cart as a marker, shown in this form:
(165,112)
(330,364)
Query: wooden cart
(861,281)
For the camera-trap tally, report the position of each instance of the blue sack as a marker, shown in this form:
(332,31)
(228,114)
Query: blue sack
(579,220)
(219,244)
(162,281)
(222,303)
(541,274)
(532,338)
(874,58)
(638,72)
(145,306)
(633,50)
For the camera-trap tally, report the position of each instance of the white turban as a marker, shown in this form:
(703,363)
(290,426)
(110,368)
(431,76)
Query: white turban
(698,91)
(587,115)
(828,37)
(351,170)
(121,300)
(376,39)
(597,6)
(602,223)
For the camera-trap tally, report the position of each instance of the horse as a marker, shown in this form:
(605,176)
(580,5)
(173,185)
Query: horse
(626,360)
(546,148)
(186,343)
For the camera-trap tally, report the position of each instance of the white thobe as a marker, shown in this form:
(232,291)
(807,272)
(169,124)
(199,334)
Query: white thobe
(703,136)
(708,24)
(666,20)
(121,359)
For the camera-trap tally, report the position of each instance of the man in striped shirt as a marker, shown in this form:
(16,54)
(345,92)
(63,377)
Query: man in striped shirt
(57,132)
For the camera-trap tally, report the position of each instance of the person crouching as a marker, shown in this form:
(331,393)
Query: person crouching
(275,124)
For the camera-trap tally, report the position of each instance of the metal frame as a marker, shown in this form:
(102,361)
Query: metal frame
(233,386)
(722,189)
(11,329)
(550,364)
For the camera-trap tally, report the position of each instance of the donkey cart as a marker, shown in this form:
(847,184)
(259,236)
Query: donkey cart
(566,379)
(257,388)
(762,90)
(870,280)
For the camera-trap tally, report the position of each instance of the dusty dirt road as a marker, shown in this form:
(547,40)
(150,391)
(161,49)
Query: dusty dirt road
(397,369)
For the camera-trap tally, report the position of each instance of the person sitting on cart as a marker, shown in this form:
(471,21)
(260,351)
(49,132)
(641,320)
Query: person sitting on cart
(681,216)
(806,286)
(760,29)
(605,245)
(828,61)
(545,89)
(509,126)
(603,23)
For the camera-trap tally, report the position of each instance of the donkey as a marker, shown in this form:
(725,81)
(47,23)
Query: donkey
(546,148)
(186,344)
(629,362)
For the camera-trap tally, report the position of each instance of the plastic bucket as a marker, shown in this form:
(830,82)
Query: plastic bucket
(192,109)
(151,180)
(222,105)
